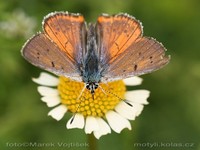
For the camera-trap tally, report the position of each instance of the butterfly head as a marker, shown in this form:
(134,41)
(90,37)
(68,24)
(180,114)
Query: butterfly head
(92,86)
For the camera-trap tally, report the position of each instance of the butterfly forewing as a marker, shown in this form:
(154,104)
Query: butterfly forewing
(115,34)
(68,32)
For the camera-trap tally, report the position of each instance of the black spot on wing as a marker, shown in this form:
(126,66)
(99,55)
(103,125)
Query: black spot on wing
(52,63)
(38,55)
(135,67)
(151,61)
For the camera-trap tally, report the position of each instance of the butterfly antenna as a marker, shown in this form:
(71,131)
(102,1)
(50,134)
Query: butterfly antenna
(103,90)
(83,89)
(124,100)
(72,118)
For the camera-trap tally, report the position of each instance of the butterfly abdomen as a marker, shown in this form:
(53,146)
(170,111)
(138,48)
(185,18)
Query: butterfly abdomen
(91,63)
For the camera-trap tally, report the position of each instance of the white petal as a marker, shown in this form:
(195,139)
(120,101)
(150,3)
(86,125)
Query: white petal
(117,122)
(138,108)
(126,111)
(47,91)
(58,112)
(137,96)
(78,122)
(133,81)
(46,79)
(103,128)
(91,124)
(51,100)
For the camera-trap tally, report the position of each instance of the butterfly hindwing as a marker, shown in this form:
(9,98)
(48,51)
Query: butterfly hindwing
(145,55)
(42,52)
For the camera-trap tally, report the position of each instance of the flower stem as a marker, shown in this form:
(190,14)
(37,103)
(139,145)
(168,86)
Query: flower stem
(92,142)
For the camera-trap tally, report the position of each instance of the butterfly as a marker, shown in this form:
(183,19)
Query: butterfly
(112,49)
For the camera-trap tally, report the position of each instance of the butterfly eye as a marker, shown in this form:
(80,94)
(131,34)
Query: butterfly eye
(87,86)
(96,86)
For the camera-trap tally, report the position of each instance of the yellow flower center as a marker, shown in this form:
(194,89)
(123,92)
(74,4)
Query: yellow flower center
(105,98)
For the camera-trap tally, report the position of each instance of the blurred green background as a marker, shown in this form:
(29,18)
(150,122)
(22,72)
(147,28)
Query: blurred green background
(173,115)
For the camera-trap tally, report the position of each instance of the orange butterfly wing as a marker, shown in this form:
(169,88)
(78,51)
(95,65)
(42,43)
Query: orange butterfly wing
(68,32)
(116,34)
(123,51)
(61,47)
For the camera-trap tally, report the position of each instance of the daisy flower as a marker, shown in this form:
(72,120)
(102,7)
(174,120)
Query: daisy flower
(111,108)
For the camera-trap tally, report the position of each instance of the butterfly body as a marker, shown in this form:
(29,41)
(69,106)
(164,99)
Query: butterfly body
(91,69)
(91,63)
(111,49)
